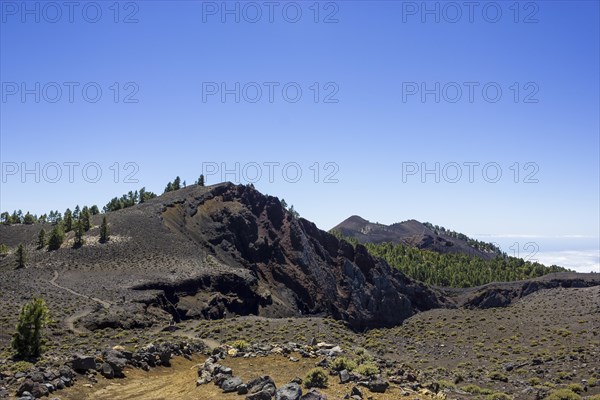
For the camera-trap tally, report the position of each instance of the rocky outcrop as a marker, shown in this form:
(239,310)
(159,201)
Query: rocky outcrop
(264,261)
(505,293)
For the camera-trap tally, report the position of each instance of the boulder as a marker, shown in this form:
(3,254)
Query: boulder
(107,371)
(83,363)
(37,376)
(291,391)
(314,395)
(242,389)
(39,390)
(262,395)
(26,386)
(378,385)
(116,360)
(344,376)
(230,385)
(356,393)
(165,357)
(260,384)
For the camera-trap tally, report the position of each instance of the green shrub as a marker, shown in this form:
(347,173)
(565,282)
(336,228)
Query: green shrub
(498,396)
(27,341)
(534,381)
(575,387)
(498,376)
(444,384)
(471,388)
(316,377)
(241,345)
(563,394)
(342,363)
(367,369)
(22,366)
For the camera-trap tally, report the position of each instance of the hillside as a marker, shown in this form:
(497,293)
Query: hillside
(414,234)
(198,269)
(204,252)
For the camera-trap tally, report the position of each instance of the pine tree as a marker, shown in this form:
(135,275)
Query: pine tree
(294,213)
(201,180)
(29,219)
(104,231)
(21,256)
(169,187)
(41,239)
(79,230)
(57,237)
(68,220)
(86,218)
(76,212)
(146,195)
(94,210)
(177,183)
(27,340)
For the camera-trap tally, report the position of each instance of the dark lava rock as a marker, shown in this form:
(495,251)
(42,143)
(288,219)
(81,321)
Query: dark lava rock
(230,385)
(107,371)
(356,392)
(242,389)
(260,384)
(378,385)
(26,386)
(344,376)
(291,391)
(314,395)
(165,357)
(262,395)
(37,376)
(40,390)
(116,360)
(83,363)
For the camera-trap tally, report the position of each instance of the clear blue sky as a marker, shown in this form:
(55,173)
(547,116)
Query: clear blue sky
(367,59)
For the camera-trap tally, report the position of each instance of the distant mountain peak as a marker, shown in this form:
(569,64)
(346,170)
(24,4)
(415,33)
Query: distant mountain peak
(410,232)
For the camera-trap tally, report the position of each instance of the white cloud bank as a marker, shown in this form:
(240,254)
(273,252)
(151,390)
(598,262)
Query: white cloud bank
(577,260)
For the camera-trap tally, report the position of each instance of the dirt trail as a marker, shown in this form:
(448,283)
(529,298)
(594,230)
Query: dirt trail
(71,320)
(52,281)
(176,382)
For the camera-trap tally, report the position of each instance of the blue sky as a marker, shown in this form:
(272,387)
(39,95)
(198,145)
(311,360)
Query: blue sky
(361,68)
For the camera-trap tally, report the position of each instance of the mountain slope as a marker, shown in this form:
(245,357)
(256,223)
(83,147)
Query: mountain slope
(207,252)
(412,233)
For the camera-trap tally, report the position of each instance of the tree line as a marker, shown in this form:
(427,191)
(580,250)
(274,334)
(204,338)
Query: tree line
(454,269)
(476,244)
(54,216)
(56,238)
(117,203)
